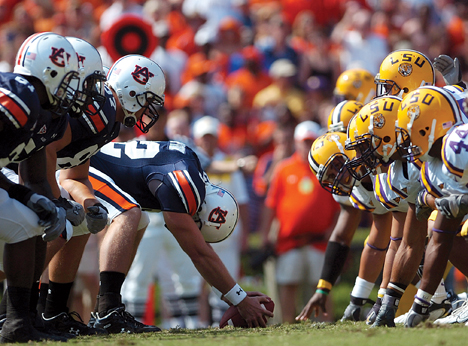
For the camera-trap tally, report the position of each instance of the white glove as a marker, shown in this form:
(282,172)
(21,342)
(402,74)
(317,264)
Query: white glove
(453,206)
(450,69)
(57,227)
(75,211)
(96,218)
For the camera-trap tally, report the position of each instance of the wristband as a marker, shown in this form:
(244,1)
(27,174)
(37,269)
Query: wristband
(324,284)
(318,290)
(235,295)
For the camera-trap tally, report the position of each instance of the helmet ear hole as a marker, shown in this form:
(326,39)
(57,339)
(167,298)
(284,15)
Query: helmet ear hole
(130,121)
(422,133)
(53,73)
(387,139)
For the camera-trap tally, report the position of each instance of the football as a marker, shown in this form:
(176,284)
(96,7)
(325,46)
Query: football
(233,318)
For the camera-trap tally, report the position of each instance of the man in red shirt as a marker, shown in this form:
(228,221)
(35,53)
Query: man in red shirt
(306,214)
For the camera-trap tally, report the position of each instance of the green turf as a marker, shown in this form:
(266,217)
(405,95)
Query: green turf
(306,334)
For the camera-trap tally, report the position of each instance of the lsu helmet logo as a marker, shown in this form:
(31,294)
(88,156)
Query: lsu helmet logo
(379,121)
(218,216)
(142,74)
(405,69)
(414,112)
(58,56)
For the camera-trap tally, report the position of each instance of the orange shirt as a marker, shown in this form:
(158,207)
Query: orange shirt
(248,82)
(303,208)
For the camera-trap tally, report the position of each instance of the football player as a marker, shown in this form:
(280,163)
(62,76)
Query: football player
(355,84)
(135,88)
(428,129)
(327,159)
(167,177)
(34,102)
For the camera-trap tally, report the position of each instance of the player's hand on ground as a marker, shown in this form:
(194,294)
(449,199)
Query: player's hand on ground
(96,218)
(253,312)
(314,305)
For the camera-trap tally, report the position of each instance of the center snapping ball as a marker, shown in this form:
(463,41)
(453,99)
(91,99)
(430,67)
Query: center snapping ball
(233,318)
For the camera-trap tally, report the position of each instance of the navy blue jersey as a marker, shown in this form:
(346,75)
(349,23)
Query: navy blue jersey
(27,127)
(133,165)
(89,134)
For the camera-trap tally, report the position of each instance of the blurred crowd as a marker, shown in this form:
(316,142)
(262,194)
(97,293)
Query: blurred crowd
(260,67)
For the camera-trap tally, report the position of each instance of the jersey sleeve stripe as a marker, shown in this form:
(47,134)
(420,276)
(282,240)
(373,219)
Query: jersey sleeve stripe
(381,196)
(108,193)
(187,191)
(15,113)
(359,205)
(427,184)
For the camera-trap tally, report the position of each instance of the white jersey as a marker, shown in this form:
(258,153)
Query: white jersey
(398,186)
(363,199)
(455,154)
(437,182)
(459,94)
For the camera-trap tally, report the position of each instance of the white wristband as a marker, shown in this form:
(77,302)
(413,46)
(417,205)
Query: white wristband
(217,292)
(235,295)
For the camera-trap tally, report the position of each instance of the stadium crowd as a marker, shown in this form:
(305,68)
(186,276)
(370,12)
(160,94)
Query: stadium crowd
(246,87)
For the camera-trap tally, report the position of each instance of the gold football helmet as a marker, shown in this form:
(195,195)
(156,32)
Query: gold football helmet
(424,116)
(355,84)
(341,115)
(371,132)
(327,159)
(403,71)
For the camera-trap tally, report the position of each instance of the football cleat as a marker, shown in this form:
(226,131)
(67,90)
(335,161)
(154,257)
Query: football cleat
(18,330)
(119,321)
(436,311)
(458,315)
(66,323)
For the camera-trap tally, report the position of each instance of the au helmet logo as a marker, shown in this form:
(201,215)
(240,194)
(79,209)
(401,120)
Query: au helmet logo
(81,59)
(218,216)
(142,74)
(58,56)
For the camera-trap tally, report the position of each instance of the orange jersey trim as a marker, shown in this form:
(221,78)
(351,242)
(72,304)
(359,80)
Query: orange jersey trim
(187,190)
(107,191)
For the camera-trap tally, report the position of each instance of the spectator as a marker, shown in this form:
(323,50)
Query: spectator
(282,89)
(306,214)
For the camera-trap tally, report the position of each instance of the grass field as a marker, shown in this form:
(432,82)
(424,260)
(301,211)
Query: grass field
(306,334)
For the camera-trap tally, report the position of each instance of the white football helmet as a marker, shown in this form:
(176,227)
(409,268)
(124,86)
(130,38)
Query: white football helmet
(51,58)
(90,94)
(218,214)
(139,84)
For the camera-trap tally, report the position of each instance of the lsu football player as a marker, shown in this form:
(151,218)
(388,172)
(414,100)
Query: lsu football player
(430,128)
(354,85)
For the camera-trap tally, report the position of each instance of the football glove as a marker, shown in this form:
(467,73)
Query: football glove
(57,227)
(96,218)
(453,206)
(450,69)
(75,211)
(386,315)
(41,205)
(353,310)
(416,315)
(423,211)
(372,314)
